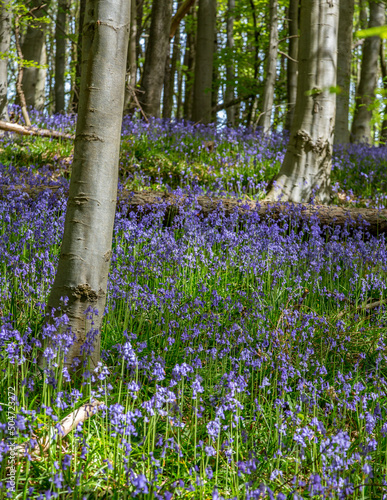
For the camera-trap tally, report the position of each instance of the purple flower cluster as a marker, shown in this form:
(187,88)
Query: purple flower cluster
(238,358)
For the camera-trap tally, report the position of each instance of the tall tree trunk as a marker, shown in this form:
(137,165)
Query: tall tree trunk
(78,66)
(5,39)
(215,84)
(308,160)
(344,60)
(60,55)
(83,265)
(189,63)
(155,57)
(34,49)
(365,94)
(202,109)
(383,65)
(131,66)
(170,76)
(292,64)
(230,71)
(271,70)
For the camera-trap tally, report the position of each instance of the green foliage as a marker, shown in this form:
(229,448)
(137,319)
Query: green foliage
(375,31)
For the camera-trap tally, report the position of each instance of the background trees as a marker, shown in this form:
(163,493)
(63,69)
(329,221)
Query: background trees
(226,60)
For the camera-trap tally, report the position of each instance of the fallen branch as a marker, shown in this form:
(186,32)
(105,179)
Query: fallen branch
(66,425)
(375,221)
(366,308)
(19,129)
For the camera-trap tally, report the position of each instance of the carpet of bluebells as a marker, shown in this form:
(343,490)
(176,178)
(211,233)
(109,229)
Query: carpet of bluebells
(239,360)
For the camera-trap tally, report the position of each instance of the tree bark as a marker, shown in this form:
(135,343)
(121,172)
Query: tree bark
(292,64)
(5,40)
(60,56)
(83,265)
(34,49)
(182,10)
(170,75)
(306,169)
(204,61)
(189,63)
(19,78)
(344,60)
(19,129)
(155,57)
(383,131)
(365,95)
(264,120)
(132,59)
(141,202)
(376,220)
(78,66)
(230,70)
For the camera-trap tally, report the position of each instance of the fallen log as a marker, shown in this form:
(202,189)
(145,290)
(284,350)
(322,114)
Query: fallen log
(375,221)
(20,129)
(64,427)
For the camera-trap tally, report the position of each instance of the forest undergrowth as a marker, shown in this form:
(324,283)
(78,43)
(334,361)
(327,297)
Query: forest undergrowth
(241,358)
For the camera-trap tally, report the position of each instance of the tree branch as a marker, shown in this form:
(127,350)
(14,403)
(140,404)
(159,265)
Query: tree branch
(19,129)
(181,12)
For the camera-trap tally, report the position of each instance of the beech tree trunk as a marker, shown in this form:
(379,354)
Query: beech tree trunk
(78,66)
(155,57)
(83,266)
(365,94)
(230,70)
(34,49)
(131,69)
(60,55)
(5,39)
(264,120)
(306,169)
(204,62)
(292,64)
(383,65)
(189,63)
(344,60)
(170,76)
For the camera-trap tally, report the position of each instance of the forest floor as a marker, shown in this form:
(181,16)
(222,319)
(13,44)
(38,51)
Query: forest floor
(240,360)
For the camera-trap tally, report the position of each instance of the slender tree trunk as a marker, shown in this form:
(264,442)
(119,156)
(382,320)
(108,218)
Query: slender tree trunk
(19,78)
(307,164)
(189,63)
(132,59)
(83,266)
(383,65)
(230,71)
(365,95)
(292,64)
(5,39)
(78,66)
(179,93)
(139,53)
(271,70)
(170,76)
(215,84)
(60,55)
(34,49)
(344,60)
(155,57)
(204,61)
